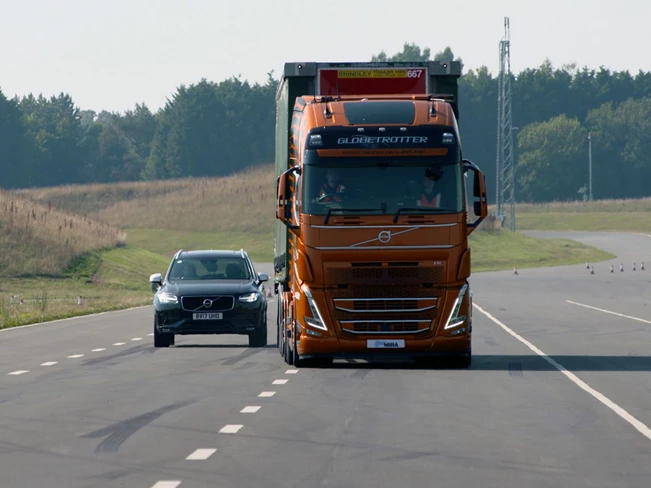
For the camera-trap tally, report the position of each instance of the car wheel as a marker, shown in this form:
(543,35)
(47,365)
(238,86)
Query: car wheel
(259,337)
(162,340)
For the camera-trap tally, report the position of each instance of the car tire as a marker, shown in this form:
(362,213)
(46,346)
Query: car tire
(259,337)
(162,340)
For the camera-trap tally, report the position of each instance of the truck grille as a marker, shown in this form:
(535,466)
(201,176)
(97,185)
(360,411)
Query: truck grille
(393,275)
(397,327)
(219,304)
(395,298)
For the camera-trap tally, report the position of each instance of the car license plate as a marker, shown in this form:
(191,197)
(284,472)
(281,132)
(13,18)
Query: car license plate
(207,316)
(385,344)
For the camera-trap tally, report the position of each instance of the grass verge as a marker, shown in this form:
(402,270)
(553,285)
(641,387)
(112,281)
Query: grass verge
(497,250)
(107,280)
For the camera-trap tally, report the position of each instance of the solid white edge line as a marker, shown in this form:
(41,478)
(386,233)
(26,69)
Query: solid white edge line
(201,454)
(167,484)
(608,311)
(76,317)
(641,427)
(16,373)
(250,409)
(267,394)
(279,382)
(230,429)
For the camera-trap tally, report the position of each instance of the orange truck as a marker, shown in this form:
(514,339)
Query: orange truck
(373,213)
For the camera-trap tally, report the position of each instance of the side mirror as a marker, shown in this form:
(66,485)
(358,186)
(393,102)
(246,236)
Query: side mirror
(285,197)
(156,281)
(480,206)
(263,277)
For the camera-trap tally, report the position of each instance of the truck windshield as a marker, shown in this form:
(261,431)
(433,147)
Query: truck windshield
(415,187)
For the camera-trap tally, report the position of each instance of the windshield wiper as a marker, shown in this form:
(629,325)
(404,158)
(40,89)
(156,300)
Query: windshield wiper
(342,210)
(417,209)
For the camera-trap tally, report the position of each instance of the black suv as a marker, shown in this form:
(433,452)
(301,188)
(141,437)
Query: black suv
(210,292)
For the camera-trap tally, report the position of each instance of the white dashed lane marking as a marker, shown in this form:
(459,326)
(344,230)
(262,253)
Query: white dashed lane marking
(250,409)
(201,454)
(137,339)
(291,371)
(267,394)
(166,484)
(119,344)
(49,363)
(99,349)
(230,429)
(150,334)
(279,382)
(16,373)
(75,356)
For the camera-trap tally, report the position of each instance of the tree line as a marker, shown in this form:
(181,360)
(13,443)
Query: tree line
(217,128)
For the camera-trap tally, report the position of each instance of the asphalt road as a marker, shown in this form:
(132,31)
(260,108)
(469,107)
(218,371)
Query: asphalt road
(97,406)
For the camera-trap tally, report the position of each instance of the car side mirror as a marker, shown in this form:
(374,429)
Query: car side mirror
(156,281)
(263,277)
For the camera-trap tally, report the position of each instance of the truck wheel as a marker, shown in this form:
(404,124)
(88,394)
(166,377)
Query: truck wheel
(162,340)
(296,361)
(464,361)
(280,334)
(287,353)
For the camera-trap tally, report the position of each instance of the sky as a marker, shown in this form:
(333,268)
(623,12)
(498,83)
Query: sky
(112,54)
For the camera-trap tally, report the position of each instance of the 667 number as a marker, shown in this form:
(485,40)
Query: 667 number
(414,73)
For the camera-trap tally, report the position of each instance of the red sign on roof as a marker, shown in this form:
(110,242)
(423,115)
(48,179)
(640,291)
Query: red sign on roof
(372,81)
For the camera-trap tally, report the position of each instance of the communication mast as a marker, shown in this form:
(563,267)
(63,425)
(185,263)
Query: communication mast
(505,191)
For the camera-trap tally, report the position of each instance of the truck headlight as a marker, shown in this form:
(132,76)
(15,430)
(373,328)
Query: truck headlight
(454,320)
(317,319)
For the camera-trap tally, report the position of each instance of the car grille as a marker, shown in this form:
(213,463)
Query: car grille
(219,304)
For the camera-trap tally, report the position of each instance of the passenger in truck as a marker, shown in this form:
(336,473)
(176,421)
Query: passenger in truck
(331,188)
(430,196)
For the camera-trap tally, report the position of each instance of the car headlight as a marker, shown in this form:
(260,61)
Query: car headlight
(454,320)
(316,320)
(165,297)
(249,297)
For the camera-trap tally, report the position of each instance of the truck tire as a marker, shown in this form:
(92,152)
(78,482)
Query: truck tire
(280,333)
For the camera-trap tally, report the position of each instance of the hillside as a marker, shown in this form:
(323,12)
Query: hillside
(243,202)
(39,239)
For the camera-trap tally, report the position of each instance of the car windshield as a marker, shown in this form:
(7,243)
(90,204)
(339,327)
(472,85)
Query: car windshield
(209,268)
(383,188)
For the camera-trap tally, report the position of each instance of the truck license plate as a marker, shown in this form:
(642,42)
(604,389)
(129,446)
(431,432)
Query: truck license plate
(207,316)
(385,344)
